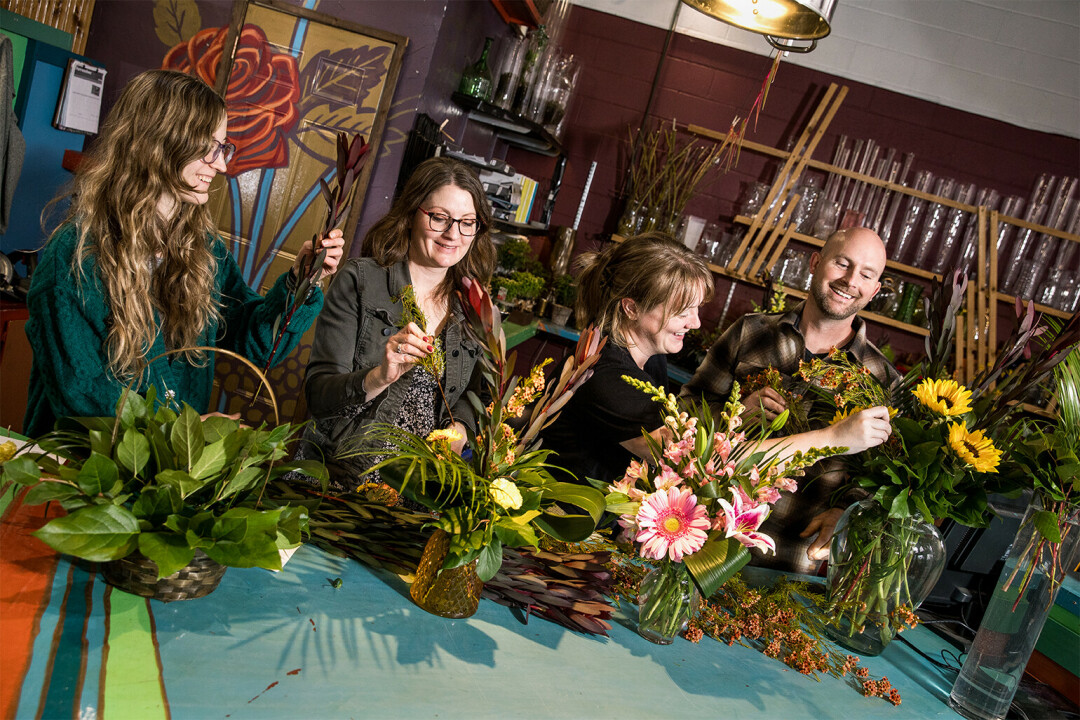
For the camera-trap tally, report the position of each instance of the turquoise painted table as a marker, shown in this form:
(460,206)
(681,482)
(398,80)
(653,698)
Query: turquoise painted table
(267,645)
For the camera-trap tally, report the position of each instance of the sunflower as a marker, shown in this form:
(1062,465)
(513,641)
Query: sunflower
(842,413)
(974,448)
(945,397)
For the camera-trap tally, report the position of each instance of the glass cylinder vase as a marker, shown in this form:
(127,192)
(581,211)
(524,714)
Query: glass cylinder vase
(452,593)
(667,599)
(1014,618)
(880,570)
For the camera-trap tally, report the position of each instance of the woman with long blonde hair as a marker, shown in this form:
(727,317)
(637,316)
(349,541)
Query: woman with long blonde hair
(138,269)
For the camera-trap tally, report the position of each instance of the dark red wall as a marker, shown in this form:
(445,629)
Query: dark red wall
(707,84)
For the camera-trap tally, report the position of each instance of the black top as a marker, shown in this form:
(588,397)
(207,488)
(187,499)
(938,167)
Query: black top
(604,412)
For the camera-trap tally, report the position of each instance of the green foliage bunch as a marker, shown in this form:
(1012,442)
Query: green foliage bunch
(164,484)
(521,285)
(565,290)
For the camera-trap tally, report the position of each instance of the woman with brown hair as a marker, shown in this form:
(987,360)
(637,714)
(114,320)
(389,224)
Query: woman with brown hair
(368,344)
(138,269)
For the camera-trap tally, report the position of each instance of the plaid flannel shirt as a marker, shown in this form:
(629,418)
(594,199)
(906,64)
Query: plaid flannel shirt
(754,343)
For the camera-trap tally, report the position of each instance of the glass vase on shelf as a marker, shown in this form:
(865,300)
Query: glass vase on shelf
(1014,618)
(508,75)
(630,221)
(667,599)
(880,570)
(828,218)
(476,80)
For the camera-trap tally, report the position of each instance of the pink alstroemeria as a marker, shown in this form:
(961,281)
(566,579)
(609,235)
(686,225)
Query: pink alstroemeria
(742,518)
(667,478)
(626,486)
(672,523)
(767,495)
(722,446)
(675,452)
(636,471)
(787,484)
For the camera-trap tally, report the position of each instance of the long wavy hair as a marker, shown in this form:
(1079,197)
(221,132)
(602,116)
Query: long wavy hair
(652,269)
(388,239)
(147,263)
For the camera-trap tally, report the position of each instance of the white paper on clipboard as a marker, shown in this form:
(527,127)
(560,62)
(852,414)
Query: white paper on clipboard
(80,99)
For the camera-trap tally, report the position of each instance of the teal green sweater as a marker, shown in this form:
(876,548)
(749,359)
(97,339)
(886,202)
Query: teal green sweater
(68,327)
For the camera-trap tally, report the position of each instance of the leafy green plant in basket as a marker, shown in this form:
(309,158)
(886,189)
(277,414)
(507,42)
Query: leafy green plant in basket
(499,491)
(163,483)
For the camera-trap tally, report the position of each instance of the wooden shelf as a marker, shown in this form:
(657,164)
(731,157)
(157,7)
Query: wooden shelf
(864,314)
(1039,307)
(818,242)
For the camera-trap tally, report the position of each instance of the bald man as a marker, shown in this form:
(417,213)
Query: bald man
(846,274)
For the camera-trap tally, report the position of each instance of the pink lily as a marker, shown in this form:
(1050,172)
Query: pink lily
(742,518)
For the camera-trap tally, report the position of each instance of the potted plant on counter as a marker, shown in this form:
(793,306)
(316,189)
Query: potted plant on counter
(565,293)
(164,499)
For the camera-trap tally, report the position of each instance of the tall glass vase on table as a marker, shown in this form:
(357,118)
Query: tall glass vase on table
(1014,619)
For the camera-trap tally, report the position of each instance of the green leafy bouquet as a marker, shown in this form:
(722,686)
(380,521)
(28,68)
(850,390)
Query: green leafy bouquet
(163,483)
(498,491)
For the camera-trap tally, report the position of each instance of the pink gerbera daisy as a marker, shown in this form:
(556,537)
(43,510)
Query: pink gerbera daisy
(671,523)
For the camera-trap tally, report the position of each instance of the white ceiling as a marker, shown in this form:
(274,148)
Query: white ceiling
(1014,60)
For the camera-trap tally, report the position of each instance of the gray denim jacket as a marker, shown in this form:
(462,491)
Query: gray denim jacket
(357,320)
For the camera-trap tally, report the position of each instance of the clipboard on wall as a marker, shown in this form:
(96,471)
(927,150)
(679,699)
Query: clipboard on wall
(79,107)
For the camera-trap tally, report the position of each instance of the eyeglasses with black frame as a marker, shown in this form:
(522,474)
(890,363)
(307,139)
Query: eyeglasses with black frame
(441,222)
(219,149)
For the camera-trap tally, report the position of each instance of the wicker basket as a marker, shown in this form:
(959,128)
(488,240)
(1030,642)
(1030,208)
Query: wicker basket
(138,574)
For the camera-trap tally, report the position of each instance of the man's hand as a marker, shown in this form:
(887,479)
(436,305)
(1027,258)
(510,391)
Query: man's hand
(824,525)
(764,402)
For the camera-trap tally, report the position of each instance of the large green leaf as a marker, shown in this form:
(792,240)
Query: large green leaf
(133,451)
(716,562)
(169,551)
(96,532)
(489,560)
(98,475)
(49,491)
(244,479)
(216,427)
(513,534)
(1047,523)
(156,503)
(187,438)
(21,470)
(184,483)
(211,461)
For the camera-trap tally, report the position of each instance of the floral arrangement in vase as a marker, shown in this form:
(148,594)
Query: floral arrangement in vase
(1045,462)
(498,492)
(941,461)
(697,506)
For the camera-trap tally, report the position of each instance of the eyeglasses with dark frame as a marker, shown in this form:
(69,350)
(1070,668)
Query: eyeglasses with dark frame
(219,149)
(441,222)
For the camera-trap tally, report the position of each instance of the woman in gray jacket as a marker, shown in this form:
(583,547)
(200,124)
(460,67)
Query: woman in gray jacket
(364,359)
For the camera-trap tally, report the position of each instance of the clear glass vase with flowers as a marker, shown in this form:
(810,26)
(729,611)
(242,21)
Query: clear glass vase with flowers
(497,492)
(941,461)
(696,506)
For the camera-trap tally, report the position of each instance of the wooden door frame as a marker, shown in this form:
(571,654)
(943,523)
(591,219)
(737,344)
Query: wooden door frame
(382,114)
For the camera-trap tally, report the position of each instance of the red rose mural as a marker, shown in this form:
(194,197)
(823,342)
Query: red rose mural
(264,87)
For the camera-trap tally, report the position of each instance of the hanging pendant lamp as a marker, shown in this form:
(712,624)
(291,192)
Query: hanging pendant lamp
(784,23)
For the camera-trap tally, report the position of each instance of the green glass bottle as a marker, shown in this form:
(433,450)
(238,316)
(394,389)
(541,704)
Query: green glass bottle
(476,80)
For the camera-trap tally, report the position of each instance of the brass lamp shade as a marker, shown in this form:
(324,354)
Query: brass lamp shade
(777,20)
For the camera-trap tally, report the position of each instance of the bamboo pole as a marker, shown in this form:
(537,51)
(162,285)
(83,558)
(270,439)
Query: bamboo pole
(767,215)
(800,165)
